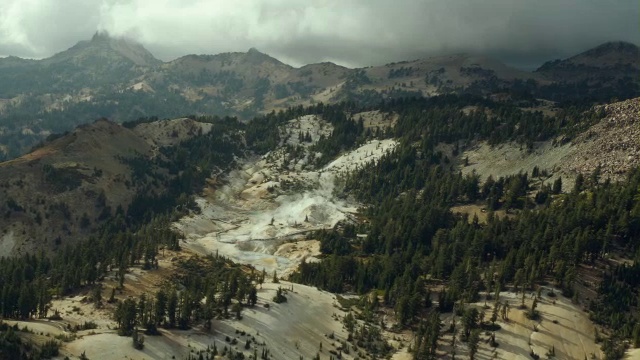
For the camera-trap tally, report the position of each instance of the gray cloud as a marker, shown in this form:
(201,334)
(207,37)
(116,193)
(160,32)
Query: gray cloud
(349,32)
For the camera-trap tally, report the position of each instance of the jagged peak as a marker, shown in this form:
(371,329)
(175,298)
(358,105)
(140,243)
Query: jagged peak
(101,35)
(102,40)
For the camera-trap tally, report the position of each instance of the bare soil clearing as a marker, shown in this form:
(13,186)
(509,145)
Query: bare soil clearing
(508,159)
(289,330)
(613,144)
(562,326)
(271,202)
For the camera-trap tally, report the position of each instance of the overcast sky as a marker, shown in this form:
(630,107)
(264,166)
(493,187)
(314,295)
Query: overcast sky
(348,32)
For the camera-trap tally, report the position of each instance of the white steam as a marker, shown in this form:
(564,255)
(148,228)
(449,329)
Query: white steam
(261,206)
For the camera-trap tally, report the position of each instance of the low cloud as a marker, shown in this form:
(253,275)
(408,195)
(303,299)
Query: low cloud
(349,32)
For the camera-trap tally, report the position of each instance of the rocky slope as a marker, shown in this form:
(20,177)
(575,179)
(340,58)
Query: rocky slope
(612,146)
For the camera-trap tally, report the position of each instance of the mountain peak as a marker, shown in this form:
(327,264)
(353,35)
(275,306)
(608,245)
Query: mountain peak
(604,56)
(617,47)
(103,45)
(100,36)
(256,57)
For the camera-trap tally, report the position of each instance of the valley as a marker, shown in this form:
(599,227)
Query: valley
(263,215)
(425,209)
(273,201)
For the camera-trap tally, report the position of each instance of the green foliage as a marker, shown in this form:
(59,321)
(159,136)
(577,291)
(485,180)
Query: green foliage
(426,341)
(613,349)
(474,339)
(413,234)
(279,297)
(346,134)
(11,345)
(61,180)
(48,350)
(200,298)
(125,316)
(126,237)
(14,346)
(137,339)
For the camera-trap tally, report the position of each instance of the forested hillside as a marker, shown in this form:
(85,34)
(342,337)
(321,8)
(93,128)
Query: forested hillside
(406,251)
(414,242)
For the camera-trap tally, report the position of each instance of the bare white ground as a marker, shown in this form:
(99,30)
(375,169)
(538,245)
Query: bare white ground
(274,200)
(288,330)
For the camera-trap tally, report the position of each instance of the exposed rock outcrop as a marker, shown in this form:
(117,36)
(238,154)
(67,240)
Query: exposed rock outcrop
(613,143)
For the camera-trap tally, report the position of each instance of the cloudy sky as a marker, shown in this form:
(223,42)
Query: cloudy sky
(350,32)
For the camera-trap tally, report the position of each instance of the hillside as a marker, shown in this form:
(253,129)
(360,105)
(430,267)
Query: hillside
(227,230)
(612,68)
(120,80)
(607,57)
(610,148)
(66,188)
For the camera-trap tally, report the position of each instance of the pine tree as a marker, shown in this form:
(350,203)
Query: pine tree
(253,296)
(138,339)
(112,297)
(636,336)
(496,311)
(474,339)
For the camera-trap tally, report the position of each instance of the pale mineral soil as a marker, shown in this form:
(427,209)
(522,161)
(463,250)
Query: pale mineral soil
(271,202)
(562,326)
(7,242)
(511,158)
(289,330)
(259,215)
(613,144)
(632,354)
(236,221)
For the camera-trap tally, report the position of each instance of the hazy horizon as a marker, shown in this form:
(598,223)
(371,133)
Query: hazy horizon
(353,33)
(527,67)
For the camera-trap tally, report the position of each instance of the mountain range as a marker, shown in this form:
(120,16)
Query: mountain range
(431,188)
(120,80)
